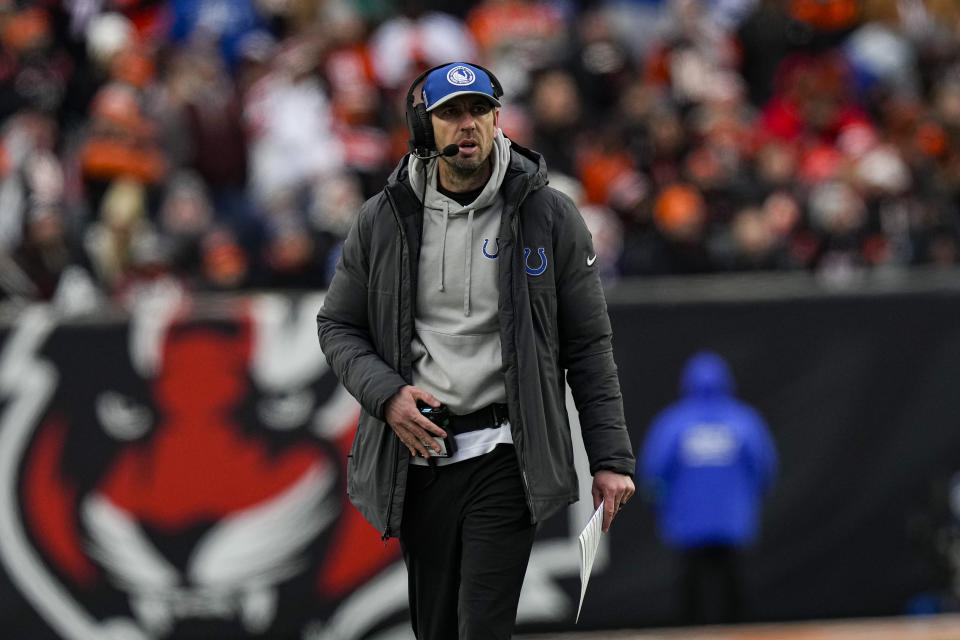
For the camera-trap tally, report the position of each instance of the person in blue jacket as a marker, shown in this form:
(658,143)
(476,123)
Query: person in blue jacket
(707,460)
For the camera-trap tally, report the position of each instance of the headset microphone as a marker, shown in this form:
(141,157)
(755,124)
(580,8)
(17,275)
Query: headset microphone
(449,150)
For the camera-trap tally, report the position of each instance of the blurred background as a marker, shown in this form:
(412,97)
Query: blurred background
(775,181)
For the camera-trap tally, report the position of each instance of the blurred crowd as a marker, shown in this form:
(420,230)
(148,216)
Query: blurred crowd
(227,144)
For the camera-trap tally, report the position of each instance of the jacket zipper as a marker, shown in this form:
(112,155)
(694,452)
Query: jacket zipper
(387,533)
(393,478)
(514,283)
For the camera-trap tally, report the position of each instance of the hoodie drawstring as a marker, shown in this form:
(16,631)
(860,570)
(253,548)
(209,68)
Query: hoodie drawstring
(468,264)
(443,242)
(467,258)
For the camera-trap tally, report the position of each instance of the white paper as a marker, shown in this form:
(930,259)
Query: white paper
(589,541)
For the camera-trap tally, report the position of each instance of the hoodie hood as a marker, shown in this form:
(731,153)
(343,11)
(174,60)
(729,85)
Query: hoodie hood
(426,170)
(526,171)
(706,374)
(438,209)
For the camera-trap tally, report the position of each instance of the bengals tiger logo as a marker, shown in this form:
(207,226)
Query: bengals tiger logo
(179,475)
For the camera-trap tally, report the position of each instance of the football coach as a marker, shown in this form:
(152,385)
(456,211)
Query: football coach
(466,296)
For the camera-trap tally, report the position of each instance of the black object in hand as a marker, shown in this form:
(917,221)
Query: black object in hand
(439,416)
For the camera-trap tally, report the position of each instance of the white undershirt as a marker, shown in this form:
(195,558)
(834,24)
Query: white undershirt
(472,444)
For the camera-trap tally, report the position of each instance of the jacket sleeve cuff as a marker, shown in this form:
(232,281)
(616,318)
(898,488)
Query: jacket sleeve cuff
(383,393)
(623,468)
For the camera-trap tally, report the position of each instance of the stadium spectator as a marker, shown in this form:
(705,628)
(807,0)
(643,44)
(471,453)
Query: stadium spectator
(556,112)
(122,142)
(221,24)
(407,43)
(517,37)
(290,124)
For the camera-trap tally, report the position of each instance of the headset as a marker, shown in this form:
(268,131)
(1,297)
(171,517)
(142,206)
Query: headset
(421,141)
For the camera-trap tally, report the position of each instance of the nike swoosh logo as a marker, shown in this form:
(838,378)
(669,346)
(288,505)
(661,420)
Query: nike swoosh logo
(591,260)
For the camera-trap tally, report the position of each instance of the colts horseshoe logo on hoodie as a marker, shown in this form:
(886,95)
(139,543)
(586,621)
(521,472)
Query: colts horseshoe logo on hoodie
(496,252)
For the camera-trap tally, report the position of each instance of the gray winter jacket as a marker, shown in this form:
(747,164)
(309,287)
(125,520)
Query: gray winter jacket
(553,320)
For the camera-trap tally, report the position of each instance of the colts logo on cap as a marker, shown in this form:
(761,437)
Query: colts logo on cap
(460,76)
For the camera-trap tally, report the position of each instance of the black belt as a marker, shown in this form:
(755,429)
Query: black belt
(486,418)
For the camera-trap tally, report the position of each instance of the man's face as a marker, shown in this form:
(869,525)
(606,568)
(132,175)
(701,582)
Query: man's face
(470,122)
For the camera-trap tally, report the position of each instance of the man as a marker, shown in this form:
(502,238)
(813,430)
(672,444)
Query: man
(708,459)
(468,285)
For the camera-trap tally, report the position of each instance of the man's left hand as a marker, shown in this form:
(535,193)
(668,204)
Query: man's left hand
(613,489)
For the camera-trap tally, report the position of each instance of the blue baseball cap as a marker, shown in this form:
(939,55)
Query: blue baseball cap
(456,79)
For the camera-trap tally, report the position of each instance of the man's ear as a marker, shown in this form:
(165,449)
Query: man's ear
(496,117)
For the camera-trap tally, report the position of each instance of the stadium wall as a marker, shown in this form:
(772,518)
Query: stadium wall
(178,471)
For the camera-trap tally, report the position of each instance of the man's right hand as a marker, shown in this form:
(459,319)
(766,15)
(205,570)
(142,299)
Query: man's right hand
(411,426)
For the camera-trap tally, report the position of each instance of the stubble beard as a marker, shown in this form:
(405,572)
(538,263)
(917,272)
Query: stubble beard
(467,170)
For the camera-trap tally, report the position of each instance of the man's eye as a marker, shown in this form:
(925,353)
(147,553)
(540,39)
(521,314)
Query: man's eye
(481,109)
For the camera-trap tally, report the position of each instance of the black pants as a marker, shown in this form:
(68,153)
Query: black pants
(466,539)
(712,585)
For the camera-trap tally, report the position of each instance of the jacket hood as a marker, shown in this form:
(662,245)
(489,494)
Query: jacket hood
(706,374)
(529,164)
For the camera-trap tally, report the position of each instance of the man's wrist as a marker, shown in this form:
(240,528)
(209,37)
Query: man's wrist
(381,410)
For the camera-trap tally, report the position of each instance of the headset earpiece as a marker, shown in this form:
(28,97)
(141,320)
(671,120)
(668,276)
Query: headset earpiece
(421,130)
(421,140)
(418,120)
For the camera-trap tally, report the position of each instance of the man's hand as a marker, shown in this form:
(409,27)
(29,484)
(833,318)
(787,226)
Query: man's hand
(413,429)
(613,489)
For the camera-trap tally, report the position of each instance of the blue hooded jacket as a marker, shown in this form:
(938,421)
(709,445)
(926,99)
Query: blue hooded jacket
(709,459)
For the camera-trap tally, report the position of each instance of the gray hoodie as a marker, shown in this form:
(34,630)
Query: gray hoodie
(456,346)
